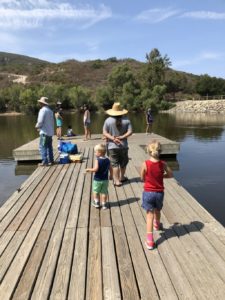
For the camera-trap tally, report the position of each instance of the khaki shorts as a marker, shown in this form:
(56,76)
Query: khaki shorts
(118,157)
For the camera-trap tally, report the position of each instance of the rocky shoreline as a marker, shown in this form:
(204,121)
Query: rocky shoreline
(199,106)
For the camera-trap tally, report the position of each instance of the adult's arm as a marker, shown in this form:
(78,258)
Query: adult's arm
(40,119)
(128,133)
(110,137)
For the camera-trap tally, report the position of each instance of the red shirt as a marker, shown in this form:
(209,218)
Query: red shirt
(153,181)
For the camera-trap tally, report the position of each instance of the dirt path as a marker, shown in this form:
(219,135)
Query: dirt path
(16,78)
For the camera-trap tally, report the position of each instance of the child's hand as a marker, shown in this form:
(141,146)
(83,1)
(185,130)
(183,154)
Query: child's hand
(86,171)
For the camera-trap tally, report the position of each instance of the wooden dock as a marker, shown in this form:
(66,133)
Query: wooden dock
(30,151)
(55,245)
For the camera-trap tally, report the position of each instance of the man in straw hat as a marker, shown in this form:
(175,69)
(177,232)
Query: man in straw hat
(116,129)
(45,125)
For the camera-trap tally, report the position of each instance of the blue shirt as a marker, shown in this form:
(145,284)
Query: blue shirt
(45,121)
(103,169)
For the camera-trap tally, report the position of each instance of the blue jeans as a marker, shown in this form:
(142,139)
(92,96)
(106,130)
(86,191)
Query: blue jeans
(46,149)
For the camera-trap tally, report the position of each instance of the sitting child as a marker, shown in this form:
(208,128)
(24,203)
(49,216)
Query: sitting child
(70,131)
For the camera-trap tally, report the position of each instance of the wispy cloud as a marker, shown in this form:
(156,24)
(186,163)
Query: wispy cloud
(19,14)
(53,57)
(204,15)
(156,15)
(204,56)
(211,55)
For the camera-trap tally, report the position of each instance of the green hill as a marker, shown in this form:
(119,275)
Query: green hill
(136,84)
(72,72)
(20,64)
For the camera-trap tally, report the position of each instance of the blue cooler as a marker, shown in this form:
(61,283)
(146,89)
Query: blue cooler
(64,158)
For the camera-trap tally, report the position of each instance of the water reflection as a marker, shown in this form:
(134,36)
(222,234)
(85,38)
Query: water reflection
(25,169)
(201,167)
(180,126)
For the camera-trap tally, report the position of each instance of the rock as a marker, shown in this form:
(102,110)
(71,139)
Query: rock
(199,106)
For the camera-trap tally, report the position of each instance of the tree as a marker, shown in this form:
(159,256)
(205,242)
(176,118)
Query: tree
(207,85)
(104,97)
(118,77)
(79,96)
(130,93)
(14,96)
(176,83)
(2,100)
(156,66)
(28,100)
(124,85)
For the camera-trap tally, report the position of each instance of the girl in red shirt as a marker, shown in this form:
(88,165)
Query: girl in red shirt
(152,173)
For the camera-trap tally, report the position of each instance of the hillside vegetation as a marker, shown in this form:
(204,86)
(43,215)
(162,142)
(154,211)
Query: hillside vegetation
(99,83)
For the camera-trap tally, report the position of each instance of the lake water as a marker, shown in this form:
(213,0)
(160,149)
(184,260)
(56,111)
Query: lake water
(200,165)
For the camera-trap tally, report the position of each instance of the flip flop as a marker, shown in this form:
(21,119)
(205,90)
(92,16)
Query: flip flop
(124,179)
(117,184)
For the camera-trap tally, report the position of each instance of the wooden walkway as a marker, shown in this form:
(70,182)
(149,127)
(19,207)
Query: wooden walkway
(55,245)
(30,151)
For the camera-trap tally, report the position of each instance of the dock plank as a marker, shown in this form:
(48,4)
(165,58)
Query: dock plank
(55,245)
(111,288)
(125,266)
(12,276)
(77,288)
(94,266)
(142,271)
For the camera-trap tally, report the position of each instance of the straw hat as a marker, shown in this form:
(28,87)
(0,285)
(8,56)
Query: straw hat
(43,100)
(116,110)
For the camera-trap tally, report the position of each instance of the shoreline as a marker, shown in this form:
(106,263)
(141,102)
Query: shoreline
(199,106)
(12,113)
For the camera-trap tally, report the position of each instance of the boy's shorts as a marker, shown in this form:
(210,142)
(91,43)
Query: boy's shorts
(152,200)
(100,187)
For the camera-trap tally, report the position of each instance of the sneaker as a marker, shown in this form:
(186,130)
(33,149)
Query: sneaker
(95,203)
(104,206)
(156,225)
(42,165)
(149,244)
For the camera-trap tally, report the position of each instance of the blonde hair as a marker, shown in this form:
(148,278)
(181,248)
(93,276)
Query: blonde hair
(100,148)
(154,149)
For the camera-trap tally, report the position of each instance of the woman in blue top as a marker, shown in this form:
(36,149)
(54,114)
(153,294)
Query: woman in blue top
(101,169)
(59,123)
(149,121)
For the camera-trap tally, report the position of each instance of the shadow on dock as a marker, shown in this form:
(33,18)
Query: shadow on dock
(179,230)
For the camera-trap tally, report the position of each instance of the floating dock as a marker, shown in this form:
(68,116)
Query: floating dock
(30,152)
(55,245)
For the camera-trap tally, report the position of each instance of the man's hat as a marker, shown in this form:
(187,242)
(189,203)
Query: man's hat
(43,100)
(116,110)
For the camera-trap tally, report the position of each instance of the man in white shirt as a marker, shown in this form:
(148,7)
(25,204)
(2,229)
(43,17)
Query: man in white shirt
(45,125)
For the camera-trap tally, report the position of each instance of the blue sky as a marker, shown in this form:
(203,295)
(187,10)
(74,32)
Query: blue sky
(190,32)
